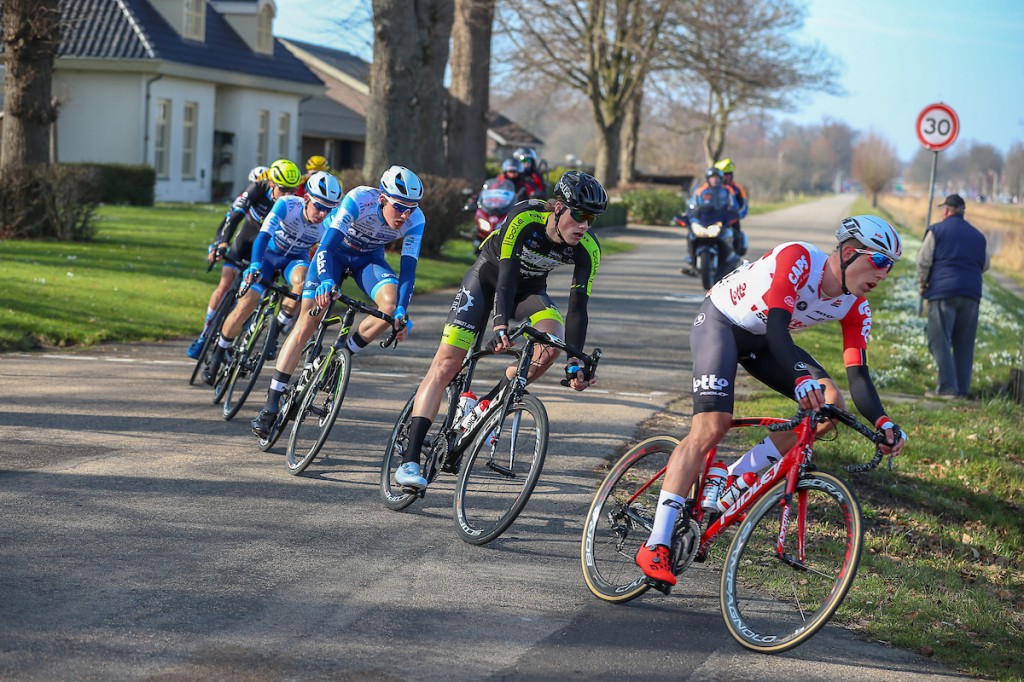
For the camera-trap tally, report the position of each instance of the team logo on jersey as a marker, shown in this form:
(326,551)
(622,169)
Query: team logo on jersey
(800,366)
(700,320)
(709,383)
(799,268)
(789,301)
(737,293)
(466,300)
(802,305)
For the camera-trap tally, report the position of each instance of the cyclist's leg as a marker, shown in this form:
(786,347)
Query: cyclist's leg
(764,367)
(543,315)
(231,328)
(295,273)
(378,281)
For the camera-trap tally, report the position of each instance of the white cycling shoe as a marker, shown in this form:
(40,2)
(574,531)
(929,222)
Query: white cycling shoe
(409,476)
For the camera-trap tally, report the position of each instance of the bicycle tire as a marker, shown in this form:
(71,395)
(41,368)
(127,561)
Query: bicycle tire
(249,363)
(328,388)
(493,486)
(766,602)
(391,494)
(615,528)
(227,367)
(227,302)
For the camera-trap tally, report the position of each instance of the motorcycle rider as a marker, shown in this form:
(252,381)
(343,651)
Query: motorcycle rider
(532,179)
(712,202)
(512,171)
(739,239)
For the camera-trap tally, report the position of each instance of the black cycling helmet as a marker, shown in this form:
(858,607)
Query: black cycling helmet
(582,192)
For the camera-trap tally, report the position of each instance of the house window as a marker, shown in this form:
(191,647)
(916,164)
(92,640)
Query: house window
(264,30)
(262,135)
(195,19)
(162,139)
(188,143)
(283,127)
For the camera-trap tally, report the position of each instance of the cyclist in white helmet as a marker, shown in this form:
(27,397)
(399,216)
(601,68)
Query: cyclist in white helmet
(354,238)
(747,319)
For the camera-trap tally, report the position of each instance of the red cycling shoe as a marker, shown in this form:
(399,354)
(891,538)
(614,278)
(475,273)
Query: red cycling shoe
(655,563)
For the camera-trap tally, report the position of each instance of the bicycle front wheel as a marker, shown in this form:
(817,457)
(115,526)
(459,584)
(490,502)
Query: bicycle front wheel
(620,521)
(250,362)
(773,604)
(318,412)
(227,302)
(500,471)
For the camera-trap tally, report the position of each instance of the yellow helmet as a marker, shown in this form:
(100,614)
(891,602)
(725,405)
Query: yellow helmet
(726,166)
(317,163)
(284,173)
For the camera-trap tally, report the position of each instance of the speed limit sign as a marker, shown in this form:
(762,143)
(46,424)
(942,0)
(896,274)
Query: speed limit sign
(937,127)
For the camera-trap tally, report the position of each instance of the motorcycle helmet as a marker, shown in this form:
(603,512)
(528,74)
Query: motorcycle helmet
(511,166)
(873,233)
(726,166)
(581,191)
(713,171)
(527,159)
(398,182)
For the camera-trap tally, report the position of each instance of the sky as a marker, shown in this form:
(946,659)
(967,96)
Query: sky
(898,57)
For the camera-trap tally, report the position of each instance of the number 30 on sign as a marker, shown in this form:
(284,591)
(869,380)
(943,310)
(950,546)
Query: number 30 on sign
(937,127)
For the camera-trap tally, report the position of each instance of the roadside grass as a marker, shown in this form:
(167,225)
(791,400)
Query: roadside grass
(142,278)
(759,207)
(942,570)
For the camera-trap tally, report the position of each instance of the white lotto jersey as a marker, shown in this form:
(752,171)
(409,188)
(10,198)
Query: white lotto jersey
(363,228)
(789,276)
(290,233)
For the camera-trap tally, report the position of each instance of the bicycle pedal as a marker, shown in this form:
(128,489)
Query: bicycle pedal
(659,585)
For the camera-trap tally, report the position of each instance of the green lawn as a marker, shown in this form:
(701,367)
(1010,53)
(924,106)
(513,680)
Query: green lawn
(143,278)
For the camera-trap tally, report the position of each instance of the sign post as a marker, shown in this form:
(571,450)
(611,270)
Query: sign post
(937,129)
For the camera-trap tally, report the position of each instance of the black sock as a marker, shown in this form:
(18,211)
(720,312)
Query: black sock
(277,386)
(418,427)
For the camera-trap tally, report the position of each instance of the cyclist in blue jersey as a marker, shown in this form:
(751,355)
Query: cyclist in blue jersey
(266,185)
(354,238)
(292,228)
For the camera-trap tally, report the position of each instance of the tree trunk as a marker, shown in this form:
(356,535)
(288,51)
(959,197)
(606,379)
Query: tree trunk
(609,145)
(469,94)
(405,114)
(31,36)
(631,137)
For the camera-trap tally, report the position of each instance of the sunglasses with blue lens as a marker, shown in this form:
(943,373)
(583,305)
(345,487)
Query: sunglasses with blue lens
(322,207)
(879,260)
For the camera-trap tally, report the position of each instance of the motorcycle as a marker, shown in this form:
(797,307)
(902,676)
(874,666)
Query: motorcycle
(492,205)
(713,255)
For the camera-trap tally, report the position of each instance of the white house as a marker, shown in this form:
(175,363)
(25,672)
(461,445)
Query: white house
(198,89)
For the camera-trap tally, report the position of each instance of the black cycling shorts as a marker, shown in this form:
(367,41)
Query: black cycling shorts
(241,247)
(719,346)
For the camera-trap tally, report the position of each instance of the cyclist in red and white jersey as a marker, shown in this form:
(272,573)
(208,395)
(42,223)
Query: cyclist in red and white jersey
(746,320)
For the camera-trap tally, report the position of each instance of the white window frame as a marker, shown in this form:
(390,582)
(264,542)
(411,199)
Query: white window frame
(189,125)
(162,139)
(194,26)
(284,123)
(265,29)
(262,137)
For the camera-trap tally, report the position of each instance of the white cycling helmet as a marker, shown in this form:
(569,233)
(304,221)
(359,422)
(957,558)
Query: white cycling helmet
(401,183)
(257,173)
(324,188)
(873,233)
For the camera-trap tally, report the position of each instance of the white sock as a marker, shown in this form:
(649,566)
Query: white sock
(669,506)
(756,458)
(225,343)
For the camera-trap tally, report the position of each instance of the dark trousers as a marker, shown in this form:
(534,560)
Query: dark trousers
(952,327)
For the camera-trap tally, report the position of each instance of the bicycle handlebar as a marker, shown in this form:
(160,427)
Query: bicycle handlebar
(830,411)
(352,303)
(243,289)
(222,255)
(525,329)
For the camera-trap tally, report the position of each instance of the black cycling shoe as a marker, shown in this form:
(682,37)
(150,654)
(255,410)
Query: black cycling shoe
(263,424)
(210,375)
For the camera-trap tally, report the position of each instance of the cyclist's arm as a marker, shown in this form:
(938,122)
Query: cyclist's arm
(856,329)
(587,259)
(263,238)
(410,259)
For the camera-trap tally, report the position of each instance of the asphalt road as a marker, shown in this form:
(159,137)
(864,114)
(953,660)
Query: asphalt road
(146,538)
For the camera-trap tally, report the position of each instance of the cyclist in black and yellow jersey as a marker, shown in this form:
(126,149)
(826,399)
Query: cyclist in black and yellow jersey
(511,273)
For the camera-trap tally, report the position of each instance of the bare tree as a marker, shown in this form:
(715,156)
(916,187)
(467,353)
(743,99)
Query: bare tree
(733,56)
(405,116)
(1013,171)
(875,164)
(601,48)
(31,36)
(469,93)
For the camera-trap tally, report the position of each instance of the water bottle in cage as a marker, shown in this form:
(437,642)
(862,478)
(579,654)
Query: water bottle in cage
(713,486)
(467,401)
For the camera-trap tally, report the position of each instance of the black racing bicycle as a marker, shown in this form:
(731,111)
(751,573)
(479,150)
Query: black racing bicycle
(250,351)
(220,313)
(325,390)
(498,458)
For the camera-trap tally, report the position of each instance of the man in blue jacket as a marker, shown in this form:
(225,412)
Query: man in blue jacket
(949,266)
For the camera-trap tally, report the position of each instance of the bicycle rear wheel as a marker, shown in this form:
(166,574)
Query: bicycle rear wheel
(770,604)
(227,302)
(620,521)
(318,412)
(499,473)
(249,362)
(392,494)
